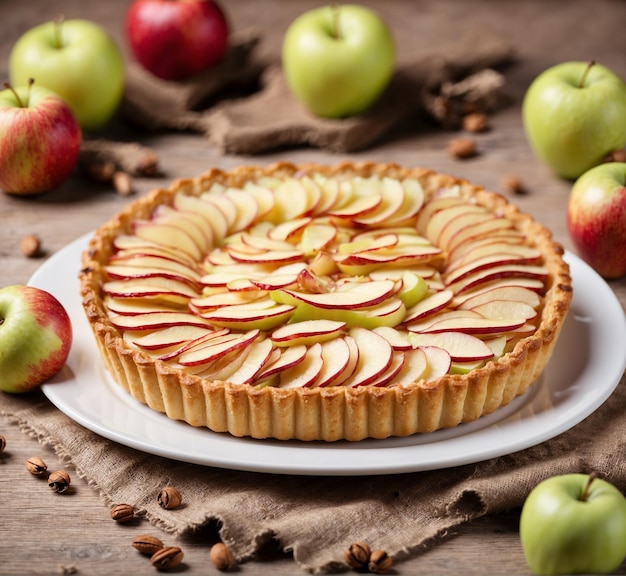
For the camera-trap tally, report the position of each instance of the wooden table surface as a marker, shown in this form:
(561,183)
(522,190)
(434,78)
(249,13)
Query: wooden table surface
(41,533)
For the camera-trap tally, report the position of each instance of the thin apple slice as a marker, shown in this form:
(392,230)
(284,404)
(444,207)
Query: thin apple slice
(246,208)
(191,222)
(286,358)
(263,196)
(270,256)
(222,368)
(505,309)
(214,217)
(225,298)
(140,272)
(472,325)
(259,354)
(435,205)
(336,356)
(438,362)
(399,339)
(224,204)
(168,235)
(159,262)
(498,259)
(496,272)
(214,350)
(357,295)
(389,376)
(239,318)
(147,287)
(306,372)
(508,237)
(131,306)
(393,196)
(452,218)
(173,335)
(368,244)
(508,250)
(156,320)
(414,367)
(509,293)
(479,229)
(291,202)
(375,357)
(290,230)
(307,332)
(413,201)
(450,316)
(461,347)
(316,237)
(144,249)
(359,207)
(429,305)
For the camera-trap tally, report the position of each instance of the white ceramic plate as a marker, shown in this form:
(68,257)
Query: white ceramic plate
(587,365)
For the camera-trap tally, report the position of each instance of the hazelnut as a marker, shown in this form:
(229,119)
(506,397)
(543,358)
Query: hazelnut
(166,558)
(475,122)
(30,246)
(222,557)
(59,481)
(169,498)
(358,555)
(147,544)
(462,148)
(379,562)
(36,466)
(513,185)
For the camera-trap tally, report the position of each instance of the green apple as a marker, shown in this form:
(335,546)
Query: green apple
(573,524)
(35,337)
(337,60)
(574,115)
(596,218)
(79,61)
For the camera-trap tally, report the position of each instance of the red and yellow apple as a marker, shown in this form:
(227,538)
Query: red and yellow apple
(35,337)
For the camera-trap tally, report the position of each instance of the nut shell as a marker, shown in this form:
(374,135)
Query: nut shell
(222,557)
(36,466)
(147,544)
(59,481)
(166,558)
(123,513)
(358,555)
(169,498)
(379,562)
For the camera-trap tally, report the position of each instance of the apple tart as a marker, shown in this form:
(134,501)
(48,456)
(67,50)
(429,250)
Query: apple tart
(324,302)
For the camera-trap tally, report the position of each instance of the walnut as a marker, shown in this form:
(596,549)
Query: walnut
(123,513)
(169,498)
(358,555)
(166,558)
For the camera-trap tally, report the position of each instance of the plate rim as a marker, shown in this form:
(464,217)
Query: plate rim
(389,456)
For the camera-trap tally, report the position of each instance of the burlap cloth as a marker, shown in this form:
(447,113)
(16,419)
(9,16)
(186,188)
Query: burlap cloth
(245,107)
(319,517)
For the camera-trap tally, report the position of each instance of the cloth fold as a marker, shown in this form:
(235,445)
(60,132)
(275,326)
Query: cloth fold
(398,513)
(444,84)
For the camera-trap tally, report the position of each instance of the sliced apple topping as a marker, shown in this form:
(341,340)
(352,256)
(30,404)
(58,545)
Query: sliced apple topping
(316,281)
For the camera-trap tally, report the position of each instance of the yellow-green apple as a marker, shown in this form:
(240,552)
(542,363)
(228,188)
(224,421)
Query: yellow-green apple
(574,114)
(79,61)
(35,337)
(338,60)
(574,524)
(596,218)
(39,140)
(176,39)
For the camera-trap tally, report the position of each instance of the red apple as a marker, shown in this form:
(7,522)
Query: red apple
(39,140)
(176,39)
(596,218)
(35,337)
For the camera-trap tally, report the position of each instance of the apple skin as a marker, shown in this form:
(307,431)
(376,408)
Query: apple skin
(85,68)
(562,533)
(35,337)
(596,218)
(332,76)
(174,40)
(572,128)
(39,140)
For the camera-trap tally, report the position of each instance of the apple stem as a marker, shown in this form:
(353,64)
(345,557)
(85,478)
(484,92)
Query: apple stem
(8,86)
(591,63)
(585,494)
(58,24)
(335,22)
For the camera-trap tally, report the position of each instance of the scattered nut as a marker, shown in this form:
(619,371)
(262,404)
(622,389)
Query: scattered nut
(169,498)
(513,185)
(166,558)
(122,182)
(59,481)
(147,544)
(462,148)
(358,555)
(379,562)
(222,557)
(30,246)
(122,513)
(100,171)
(3,443)
(616,156)
(36,466)
(475,122)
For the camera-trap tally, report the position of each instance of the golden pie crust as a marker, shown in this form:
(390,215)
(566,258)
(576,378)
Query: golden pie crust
(334,412)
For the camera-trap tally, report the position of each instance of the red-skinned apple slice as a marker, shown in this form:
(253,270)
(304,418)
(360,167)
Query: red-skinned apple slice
(246,208)
(368,244)
(214,350)
(263,196)
(447,221)
(510,293)
(236,318)
(414,367)
(359,207)
(505,309)
(438,362)
(307,332)
(429,305)
(316,237)
(509,250)
(426,323)
(286,358)
(336,355)
(496,272)
(306,372)
(225,298)
(487,262)
(155,320)
(393,196)
(131,272)
(413,202)
(399,339)
(389,376)
(375,356)
(472,325)
(290,230)
(271,256)
(224,204)
(153,286)
(213,216)
(259,355)
(191,222)
(168,235)
(264,243)
(508,237)
(483,228)
(131,306)
(178,334)
(435,205)
(461,347)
